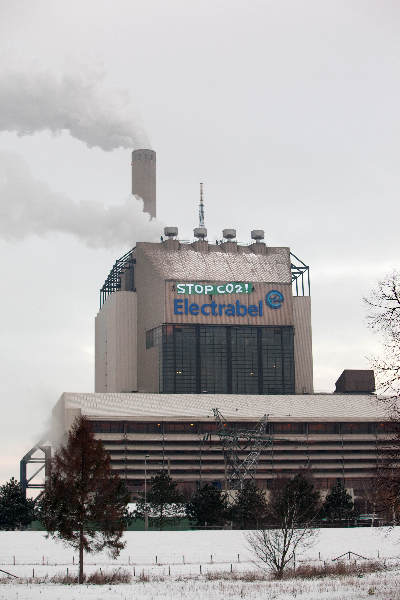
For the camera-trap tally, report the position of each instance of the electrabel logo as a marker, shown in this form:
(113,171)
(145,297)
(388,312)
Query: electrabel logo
(274,299)
(216,309)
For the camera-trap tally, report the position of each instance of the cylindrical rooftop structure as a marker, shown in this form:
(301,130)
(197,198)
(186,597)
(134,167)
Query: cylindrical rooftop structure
(144,178)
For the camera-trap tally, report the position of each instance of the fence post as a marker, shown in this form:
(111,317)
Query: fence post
(231,568)
(200,569)
(134,571)
(156,559)
(67,572)
(169,569)
(238,557)
(211,557)
(33,573)
(183,559)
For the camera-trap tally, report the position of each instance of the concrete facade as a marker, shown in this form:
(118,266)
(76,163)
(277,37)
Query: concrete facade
(116,344)
(303,345)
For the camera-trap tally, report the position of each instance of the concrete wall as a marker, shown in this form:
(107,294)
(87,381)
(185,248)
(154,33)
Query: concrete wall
(150,288)
(116,344)
(303,345)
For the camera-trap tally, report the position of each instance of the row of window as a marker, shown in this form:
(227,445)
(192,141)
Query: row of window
(272,428)
(215,451)
(334,467)
(225,359)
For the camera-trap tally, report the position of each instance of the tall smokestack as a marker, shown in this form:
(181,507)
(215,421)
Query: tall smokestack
(144,178)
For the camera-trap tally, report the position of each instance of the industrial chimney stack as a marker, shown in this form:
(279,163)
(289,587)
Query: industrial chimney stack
(144,178)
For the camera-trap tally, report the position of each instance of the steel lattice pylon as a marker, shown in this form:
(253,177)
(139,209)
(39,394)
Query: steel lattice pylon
(235,442)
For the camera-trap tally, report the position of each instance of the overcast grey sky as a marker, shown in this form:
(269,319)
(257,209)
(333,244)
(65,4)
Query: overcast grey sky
(288,111)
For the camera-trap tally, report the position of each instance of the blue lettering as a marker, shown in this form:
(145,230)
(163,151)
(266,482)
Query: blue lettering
(241,309)
(230,310)
(178,304)
(253,310)
(203,311)
(215,309)
(194,309)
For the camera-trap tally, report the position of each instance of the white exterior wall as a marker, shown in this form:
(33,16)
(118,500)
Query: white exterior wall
(303,345)
(116,344)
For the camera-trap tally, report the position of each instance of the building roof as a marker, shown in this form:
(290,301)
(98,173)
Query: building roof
(218,265)
(310,407)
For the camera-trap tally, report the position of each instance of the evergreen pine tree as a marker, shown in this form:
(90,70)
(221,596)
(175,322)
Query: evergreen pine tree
(162,499)
(250,507)
(296,501)
(16,511)
(84,502)
(208,506)
(338,503)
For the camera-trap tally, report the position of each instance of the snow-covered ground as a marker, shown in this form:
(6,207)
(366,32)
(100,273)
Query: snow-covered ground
(175,556)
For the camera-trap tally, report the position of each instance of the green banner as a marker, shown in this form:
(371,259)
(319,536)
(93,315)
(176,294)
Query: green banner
(233,287)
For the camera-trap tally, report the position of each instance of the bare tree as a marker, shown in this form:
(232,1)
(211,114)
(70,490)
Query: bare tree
(292,510)
(384,318)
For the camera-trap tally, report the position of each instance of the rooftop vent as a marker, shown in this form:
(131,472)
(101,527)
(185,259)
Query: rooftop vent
(200,232)
(257,234)
(170,232)
(229,234)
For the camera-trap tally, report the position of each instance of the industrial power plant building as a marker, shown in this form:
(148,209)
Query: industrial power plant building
(332,435)
(205,318)
(195,337)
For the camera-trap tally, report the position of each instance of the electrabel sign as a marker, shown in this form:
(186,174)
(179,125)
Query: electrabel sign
(273,299)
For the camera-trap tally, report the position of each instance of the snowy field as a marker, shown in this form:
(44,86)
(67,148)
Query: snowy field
(172,561)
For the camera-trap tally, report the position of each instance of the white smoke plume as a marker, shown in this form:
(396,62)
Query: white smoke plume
(80,104)
(29,207)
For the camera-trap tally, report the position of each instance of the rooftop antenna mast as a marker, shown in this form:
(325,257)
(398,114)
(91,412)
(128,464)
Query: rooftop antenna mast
(201,207)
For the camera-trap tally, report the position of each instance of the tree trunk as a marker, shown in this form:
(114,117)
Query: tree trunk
(80,579)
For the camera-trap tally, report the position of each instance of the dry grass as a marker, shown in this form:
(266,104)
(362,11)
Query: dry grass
(97,578)
(235,576)
(334,569)
(337,570)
